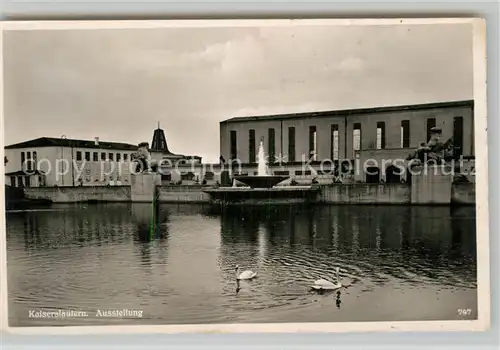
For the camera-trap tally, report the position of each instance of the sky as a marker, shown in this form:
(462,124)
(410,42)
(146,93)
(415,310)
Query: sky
(117,84)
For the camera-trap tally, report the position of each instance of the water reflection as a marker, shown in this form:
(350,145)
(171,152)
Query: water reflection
(105,255)
(367,241)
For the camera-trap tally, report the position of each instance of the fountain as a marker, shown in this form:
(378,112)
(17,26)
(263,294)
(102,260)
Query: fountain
(262,179)
(261,188)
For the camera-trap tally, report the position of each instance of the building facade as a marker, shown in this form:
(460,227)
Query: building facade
(365,133)
(48,161)
(67,162)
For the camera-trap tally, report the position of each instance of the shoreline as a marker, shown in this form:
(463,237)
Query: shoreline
(432,194)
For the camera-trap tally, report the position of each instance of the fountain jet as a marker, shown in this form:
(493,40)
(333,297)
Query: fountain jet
(261,161)
(261,188)
(263,179)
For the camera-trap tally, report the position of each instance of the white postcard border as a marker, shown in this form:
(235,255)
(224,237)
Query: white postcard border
(482,207)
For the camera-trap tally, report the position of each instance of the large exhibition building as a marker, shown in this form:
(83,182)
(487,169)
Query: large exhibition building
(368,133)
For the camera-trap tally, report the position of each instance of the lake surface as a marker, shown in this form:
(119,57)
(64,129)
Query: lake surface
(403,263)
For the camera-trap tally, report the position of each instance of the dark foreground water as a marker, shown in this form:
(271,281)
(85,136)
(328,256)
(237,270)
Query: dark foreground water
(404,263)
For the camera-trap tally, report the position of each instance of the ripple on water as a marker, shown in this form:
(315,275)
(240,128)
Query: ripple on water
(188,275)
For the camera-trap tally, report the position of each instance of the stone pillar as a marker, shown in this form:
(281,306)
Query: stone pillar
(225,179)
(143,186)
(431,184)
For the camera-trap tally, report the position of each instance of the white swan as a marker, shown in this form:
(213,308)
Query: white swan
(323,284)
(245,275)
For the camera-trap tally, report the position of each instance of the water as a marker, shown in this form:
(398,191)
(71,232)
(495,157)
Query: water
(404,263)
(261,161)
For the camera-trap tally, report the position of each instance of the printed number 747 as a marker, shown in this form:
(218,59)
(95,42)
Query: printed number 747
(464,312)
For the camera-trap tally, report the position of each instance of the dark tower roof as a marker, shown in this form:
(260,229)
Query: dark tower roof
(159,143)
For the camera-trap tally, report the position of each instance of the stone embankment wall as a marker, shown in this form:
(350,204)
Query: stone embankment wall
(80,194)
(366,194)
(433,190)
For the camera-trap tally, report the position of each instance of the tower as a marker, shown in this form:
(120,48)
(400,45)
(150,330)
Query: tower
(159,143)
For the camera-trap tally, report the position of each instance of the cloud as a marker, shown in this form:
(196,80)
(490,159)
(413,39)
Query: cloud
(119,83)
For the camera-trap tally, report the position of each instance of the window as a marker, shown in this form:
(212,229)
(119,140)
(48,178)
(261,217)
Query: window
(356,137)
(166,177)
(282,172)
(29,161)
(380,135)
(118,157)
(405,133)
(271,146)
(291,144)
(35,160)
(95,157)
(103,156)
(125,156)
(431,123)
(234,149)
(312,142)
(13,181)
(209,175)
(23,159)
(20,182)
(27,181)
(334,142)
(110,156)
(87,156)
(251,146)
(458,136)
(78,155)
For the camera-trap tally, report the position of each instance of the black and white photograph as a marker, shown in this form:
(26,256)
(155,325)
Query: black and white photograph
(248,175)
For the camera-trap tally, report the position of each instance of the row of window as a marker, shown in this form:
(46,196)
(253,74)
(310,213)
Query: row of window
(109,170)
(22,181)
(334,139)
(107,178)
(103,157)
(30,159)
(25,181)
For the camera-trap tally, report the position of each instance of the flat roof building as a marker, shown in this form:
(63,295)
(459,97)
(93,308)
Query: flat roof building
(393,131)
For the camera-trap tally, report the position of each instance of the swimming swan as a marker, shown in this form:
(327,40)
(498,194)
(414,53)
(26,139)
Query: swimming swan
(323,284)
(245,275)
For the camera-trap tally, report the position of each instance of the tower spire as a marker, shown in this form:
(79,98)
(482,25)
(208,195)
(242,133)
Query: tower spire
(159,143)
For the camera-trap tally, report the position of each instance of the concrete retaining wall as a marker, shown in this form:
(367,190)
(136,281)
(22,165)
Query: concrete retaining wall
(432,186)
(365,194)
(425,190)
(183,194)
(143,187)
(79,194)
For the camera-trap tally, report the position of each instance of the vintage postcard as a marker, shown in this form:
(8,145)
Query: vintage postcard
(244,176)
